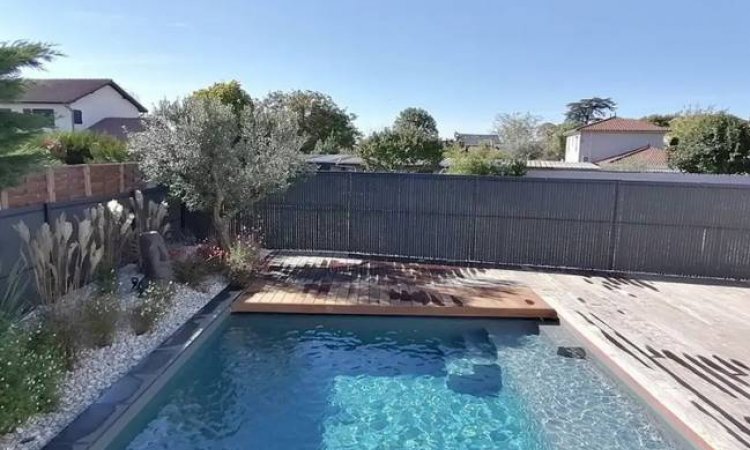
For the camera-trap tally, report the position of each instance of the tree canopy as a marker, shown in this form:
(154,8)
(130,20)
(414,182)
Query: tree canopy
(417,118)
(710,143)
(484,160)
(214,162)
(411,144)
(588,110)
(228,93)
(17,128)
(327,127)
(661,120)
(520,135)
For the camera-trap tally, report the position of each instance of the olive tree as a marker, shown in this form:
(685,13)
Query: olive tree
(216,163)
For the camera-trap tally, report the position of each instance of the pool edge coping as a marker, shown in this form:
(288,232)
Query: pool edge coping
(661,412)
(100,423)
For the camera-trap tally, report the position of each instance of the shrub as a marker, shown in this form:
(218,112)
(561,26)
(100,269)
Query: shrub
(107,280)
(82,147)
(113,231)
(31,373)
(61,259)
(100,314)
(243,259)
(709,142)
(484,161)
(12,301)
(213,255)
(62,322)
(191,271)
(148,310)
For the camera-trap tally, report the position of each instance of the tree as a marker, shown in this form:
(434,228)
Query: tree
(17,128)
(411,144)
(405,149)
(519,134)
(328,127)
(216,163)
(228,93)
(588,110)
(553,139)
(417,118)
(484,160)
(661,120)
(710,143)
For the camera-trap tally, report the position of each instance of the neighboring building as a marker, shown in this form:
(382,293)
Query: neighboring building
(611,137)
(337,163)
(81,104)
(643,159)
(470,141)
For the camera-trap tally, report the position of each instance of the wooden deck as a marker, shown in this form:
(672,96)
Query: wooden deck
(320,285)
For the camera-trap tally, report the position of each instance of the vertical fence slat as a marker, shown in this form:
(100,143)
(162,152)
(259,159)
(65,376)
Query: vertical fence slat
(672,228)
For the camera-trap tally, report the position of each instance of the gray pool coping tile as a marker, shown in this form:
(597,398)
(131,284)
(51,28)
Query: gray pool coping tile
(83,431)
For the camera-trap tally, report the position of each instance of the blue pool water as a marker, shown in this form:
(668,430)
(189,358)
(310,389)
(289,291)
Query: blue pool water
(327,382)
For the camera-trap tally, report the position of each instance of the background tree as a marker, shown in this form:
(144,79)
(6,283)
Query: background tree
(484,160)
(519,135)
(193,146)
(416,118)
(588,110)
(710,143)
(328,128)
(553,139)
(17,128)
(411,144)
(228,93)
(661,120)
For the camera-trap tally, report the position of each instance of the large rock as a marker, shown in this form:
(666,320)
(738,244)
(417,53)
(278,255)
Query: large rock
(156,264)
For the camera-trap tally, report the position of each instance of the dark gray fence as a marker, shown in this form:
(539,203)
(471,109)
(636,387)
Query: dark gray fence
(630,226)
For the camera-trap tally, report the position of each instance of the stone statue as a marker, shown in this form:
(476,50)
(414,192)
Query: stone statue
(156,264)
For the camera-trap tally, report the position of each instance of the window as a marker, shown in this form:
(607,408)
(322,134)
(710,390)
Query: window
(77,116)
(49,114)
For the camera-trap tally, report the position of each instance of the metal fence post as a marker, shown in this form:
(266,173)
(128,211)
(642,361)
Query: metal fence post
(613,228)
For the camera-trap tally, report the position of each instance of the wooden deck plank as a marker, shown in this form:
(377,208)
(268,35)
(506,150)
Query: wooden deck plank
(328,286)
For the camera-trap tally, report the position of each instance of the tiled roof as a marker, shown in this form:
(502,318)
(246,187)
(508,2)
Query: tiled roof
(118,126)
(643,158)
(615,124)
(543,164)
(337,159)
(476,139)
(68,90)
(563,165)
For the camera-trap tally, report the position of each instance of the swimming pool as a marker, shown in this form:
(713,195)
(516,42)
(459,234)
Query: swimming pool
(344,382)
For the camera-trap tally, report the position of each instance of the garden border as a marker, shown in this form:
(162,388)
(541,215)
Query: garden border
(101,422)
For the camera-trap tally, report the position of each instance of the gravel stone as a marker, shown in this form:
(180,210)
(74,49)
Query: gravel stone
(97,369)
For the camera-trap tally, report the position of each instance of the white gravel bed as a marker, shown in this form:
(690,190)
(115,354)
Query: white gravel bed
(97,369)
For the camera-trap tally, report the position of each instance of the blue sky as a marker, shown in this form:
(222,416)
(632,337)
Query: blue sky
(464,61)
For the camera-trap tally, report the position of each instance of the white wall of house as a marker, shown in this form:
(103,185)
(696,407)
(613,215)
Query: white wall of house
(595,146)
(63,115)
(572,148)
(101,104)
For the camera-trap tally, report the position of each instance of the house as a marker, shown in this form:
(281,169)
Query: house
(603,140)
(337,163)
(643,159)
(81,104)
(470,141)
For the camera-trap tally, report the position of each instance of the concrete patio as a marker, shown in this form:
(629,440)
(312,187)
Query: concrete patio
(682,346)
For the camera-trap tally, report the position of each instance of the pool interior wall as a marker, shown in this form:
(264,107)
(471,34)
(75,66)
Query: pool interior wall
(295,381)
